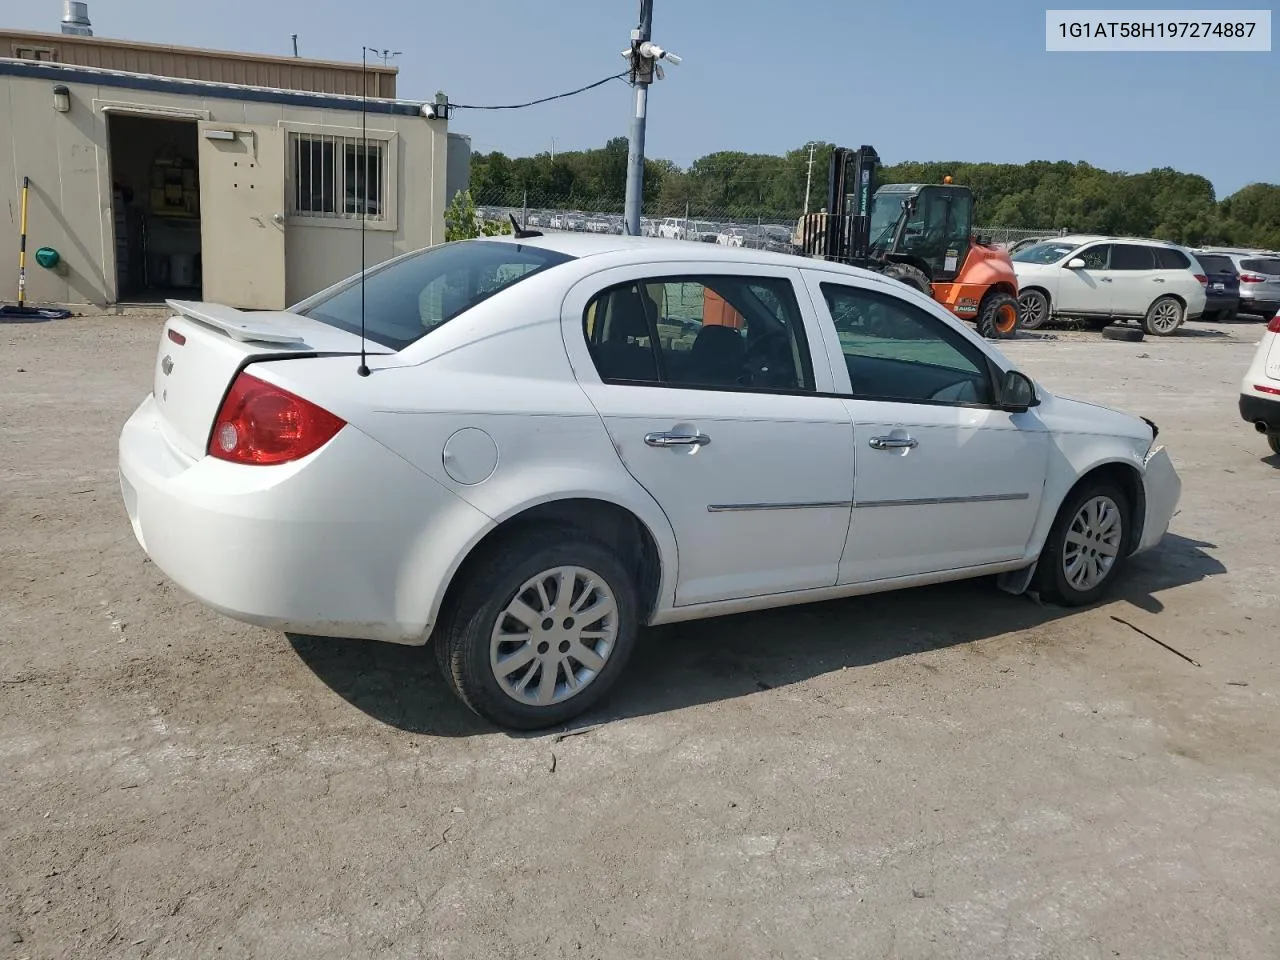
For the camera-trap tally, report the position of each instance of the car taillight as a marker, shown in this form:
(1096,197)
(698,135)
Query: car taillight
(1252,278)
(1202,278)
(1274,325)
(263,424)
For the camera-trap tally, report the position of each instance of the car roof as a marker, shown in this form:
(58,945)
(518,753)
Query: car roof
(640,249)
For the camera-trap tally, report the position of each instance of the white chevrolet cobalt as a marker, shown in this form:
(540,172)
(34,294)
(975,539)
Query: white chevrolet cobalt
(562,438)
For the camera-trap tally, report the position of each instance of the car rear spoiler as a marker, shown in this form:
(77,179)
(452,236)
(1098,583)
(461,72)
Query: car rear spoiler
(237,324)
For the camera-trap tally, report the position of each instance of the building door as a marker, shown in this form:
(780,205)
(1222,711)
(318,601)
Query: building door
(242,194)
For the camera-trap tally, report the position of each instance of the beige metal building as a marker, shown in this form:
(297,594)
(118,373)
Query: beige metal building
(244,192)
(217,66)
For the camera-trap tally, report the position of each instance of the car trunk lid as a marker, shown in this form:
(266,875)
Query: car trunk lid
(205,345)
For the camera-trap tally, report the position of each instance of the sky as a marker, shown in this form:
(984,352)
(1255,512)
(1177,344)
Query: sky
(916,79)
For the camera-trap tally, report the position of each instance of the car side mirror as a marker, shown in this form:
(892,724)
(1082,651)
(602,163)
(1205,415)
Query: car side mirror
(1075,263)
(1017,392)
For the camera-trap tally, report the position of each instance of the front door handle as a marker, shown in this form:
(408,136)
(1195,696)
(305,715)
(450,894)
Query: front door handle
(698,439)
(1158,279)
(1106,279)
(893,443)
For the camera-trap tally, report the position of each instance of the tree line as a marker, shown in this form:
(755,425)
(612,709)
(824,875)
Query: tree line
(1163,203)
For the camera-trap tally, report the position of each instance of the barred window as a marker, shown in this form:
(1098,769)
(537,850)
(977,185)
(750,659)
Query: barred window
(337,177)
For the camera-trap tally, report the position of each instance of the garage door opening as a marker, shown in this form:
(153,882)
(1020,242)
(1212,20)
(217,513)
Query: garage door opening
(155,173)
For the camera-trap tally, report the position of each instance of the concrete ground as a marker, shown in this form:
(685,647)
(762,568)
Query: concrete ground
(947,772)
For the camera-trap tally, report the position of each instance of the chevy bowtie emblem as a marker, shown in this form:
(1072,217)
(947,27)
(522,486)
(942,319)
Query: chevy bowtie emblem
(167,365)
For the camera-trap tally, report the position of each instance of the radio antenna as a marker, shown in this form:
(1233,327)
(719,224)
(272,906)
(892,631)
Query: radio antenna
(362,205)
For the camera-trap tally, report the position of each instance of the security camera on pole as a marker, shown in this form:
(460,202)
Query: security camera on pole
(644,56)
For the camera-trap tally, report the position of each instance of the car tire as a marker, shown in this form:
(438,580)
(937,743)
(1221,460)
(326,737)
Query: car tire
(998,316)
(1227,316)
(1033,310)
(1273,441)
(523,574)
(1076,537)
(1164,316)
(911,276)
(1124,333)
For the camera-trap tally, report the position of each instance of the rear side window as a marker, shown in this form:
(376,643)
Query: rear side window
(726,332)
(406,300)
(1131,256)
(1268,265)
(1169,259)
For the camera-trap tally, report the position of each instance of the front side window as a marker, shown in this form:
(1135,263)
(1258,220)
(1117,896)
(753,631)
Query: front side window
(896,351)
(731,332)
(1131,256)
(1095,257)
(407,299)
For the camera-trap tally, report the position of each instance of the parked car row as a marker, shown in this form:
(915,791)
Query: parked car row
(1254,275)
(773,237)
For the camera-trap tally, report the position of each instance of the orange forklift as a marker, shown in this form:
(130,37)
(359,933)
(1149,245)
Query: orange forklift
(918,233)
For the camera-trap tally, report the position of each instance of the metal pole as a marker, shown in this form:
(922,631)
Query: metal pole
(808,182)
(635,152)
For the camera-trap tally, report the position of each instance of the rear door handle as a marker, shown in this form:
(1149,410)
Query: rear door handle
(1106,279)
(893,443)
(698,439)
(1158,279)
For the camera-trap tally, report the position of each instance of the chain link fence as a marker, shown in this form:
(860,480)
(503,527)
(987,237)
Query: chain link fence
(755,229)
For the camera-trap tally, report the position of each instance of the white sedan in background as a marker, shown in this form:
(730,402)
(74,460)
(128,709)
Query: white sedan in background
(563,438)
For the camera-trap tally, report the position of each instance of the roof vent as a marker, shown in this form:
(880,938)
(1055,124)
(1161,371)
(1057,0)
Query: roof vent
(75,18)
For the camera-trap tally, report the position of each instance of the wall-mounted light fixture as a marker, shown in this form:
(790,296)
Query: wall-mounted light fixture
(61,99)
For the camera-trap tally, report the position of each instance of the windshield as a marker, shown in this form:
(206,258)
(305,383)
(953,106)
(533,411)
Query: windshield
(886,208)
(407,299)
(1043,253)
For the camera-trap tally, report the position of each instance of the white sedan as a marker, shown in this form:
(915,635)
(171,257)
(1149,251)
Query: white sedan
(558,439)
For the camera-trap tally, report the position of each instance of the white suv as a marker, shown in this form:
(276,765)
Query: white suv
(1260,389)
(1105,279)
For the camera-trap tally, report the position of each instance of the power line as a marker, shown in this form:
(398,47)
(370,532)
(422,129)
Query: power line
(534,103)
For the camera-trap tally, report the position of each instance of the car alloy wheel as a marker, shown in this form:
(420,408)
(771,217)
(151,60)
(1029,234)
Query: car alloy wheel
(1033,307)
(1164,317)
(554,637)
(1093,543)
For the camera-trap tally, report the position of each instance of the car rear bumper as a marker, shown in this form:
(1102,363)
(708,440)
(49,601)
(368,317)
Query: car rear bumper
(1265,306)
(338,544)
(1258,409)
(1162,488)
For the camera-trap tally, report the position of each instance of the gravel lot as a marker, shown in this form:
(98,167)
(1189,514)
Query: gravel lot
(945,772)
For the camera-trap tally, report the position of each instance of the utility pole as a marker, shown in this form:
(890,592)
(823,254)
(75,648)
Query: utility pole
(644,55)
(808,182)
(641,77)
(294,37)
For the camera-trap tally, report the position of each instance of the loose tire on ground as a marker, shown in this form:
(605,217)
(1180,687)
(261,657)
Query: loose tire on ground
(998,316)
(1091,529)
(1123,332)
(911,276)
(1164,317)
(486,651)
(1033,309)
